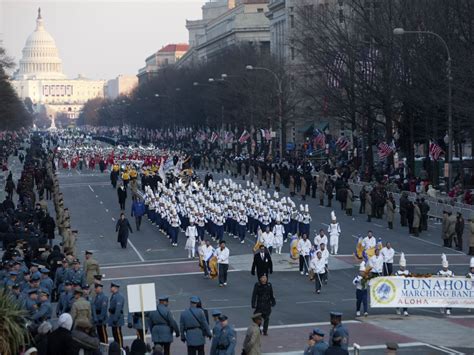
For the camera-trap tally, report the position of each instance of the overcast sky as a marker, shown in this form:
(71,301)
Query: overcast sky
(99,38)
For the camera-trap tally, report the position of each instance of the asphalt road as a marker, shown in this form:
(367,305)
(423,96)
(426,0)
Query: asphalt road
(94,209)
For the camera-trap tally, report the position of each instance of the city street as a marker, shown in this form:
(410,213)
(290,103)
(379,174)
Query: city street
(149,258)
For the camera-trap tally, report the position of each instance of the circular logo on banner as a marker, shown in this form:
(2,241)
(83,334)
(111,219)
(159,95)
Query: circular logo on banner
(384,291)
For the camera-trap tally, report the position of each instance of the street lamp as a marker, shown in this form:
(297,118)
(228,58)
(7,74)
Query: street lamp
(401,31)
(280,101)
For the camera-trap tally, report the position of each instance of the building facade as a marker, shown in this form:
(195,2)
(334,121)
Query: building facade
(41,79)
(283,17)
(121,85)
(226,23)
(167,55)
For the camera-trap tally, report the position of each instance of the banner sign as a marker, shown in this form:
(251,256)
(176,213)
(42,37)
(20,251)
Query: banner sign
(421,292)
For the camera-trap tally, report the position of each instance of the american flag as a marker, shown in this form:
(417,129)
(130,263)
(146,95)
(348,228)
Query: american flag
(228,137)
(435,151)
(335,71)
(367,65)
(214,137)
(244,136)
(385,150)
(343,143)
(266,134)
(319,139)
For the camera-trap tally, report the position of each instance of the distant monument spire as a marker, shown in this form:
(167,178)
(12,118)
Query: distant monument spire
(39,13)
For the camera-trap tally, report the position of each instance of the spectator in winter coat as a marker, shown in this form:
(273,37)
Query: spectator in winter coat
(60,340)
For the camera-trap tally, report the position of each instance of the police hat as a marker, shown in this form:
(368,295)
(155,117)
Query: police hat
(194,299)
(35,277)
(98,277)
(98,285)
(216,313)
(86,287)
(336,314)
(44,271)
(163,298)
(88,252)
(75,282)
(223,317)
(67,283)
(32,290)
(114,284)
(44,292)
(16,285)
(13,273)
(34,264)
(78,290)
(76,261)
(318,331)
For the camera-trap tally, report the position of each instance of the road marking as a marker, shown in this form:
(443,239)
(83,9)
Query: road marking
(428,242)
(304,302)
(434,264)
(152,250)
(324,224)
(378,225)
(96,196)
(101,203)
(161,275)
(106,210)
(90,188)
(113,219)
(101,236)
(136,250)
(284,326)
(153,264)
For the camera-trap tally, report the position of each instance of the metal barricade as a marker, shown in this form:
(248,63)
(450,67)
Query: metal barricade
(437,204)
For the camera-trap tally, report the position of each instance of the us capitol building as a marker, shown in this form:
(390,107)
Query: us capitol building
(40,78)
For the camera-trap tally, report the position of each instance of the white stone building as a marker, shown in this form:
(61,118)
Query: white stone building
(225,23)
(40,78)
(167,55)
(283,17)
(121,85)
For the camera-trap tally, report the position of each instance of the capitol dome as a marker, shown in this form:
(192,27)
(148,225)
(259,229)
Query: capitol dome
(40,56)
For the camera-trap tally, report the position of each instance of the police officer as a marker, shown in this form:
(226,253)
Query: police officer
(193,328)
(46,282)
(215,330)
(31,303)
(17,296)
(66,299)
(99,312)
(227,338)
(162,325)
(75,273)
(60,275)
(320,345)
(81,308)
(337,326)
(45,309)
(116,320)
(135,322)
